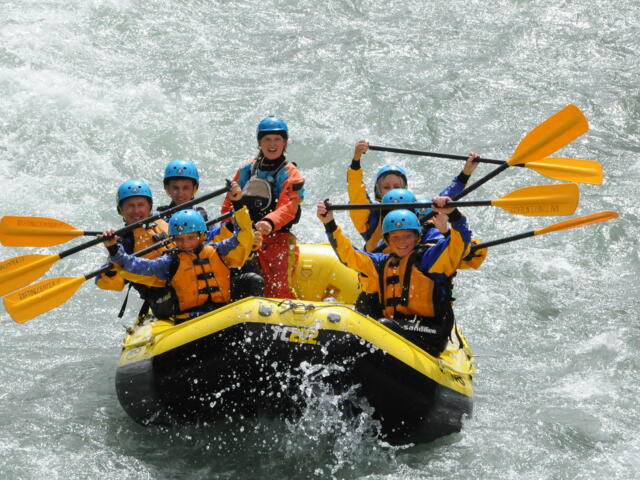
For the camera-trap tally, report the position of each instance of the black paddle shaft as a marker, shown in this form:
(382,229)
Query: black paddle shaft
(153,247)
(146,221)
(432,154)
(422,153)
(500,241)
(408,206)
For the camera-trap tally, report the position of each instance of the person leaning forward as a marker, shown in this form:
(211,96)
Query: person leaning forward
(198,272)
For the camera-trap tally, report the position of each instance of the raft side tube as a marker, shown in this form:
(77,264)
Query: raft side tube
(302,322)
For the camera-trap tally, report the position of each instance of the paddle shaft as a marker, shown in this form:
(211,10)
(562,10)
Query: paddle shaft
(500,241)
(153,247)
(435,154)
(502,166)
(408,206)
(472,187)
(144,221)
(556,227)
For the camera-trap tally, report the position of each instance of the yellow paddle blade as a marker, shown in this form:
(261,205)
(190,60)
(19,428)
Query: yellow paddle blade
(541,200)
(18,231)
(569,169)
(551,135)
(20,271)
(578,222)
(40,297)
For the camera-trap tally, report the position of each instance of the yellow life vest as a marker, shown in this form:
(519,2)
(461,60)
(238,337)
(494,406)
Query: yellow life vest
(201,278)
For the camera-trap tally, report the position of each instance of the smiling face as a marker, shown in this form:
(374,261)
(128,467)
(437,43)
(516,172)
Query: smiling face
(402,242)
(180,190)
(272,146)
(135,209)
(390,182)
(188,241)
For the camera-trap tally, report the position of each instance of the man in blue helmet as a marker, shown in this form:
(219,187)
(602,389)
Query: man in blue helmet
(181,182)
(414,281)
(273,189)
(369,222)
(135,203)
(197,272)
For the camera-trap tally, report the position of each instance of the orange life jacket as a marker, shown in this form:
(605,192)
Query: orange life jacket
(136,240)
(144,237)
(200,278)
(407,291)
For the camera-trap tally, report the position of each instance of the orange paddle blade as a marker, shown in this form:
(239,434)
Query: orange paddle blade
(541,200)
(36,299)
(16,231)
(569,169)
(20,271)
(551,135)
(578,222)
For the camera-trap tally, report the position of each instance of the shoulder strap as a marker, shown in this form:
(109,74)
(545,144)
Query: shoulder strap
(413,259)
(124,303)
(175,263)
(380,268)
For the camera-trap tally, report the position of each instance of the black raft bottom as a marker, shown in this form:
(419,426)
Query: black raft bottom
(253,368)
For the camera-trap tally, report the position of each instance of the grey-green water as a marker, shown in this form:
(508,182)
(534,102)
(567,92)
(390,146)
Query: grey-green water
(96,92)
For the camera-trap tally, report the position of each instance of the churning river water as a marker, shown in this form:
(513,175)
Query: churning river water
(96,92)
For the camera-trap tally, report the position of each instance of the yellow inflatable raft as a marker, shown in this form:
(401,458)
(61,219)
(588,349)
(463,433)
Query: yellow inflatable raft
(245,359)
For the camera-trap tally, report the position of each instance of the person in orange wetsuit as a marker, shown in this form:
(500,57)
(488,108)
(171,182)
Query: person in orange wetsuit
(273,189)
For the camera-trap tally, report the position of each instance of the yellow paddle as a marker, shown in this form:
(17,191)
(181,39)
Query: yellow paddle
(556,227)
(20,271)
(554,133)
(19,231)
(559,168)
(33,300)
(534,201)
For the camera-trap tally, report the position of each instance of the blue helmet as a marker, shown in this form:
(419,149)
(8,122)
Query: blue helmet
(388,170)
(181,169)
(133,188)
(401,220)
(275,125)
(425,210)
(399,195)
(186,221)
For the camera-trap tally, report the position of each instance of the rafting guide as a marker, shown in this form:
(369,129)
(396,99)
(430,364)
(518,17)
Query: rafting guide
(273,190)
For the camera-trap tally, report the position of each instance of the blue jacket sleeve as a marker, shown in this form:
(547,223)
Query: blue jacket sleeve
(454,188)
(158,267)
(227,245)
(445,256)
